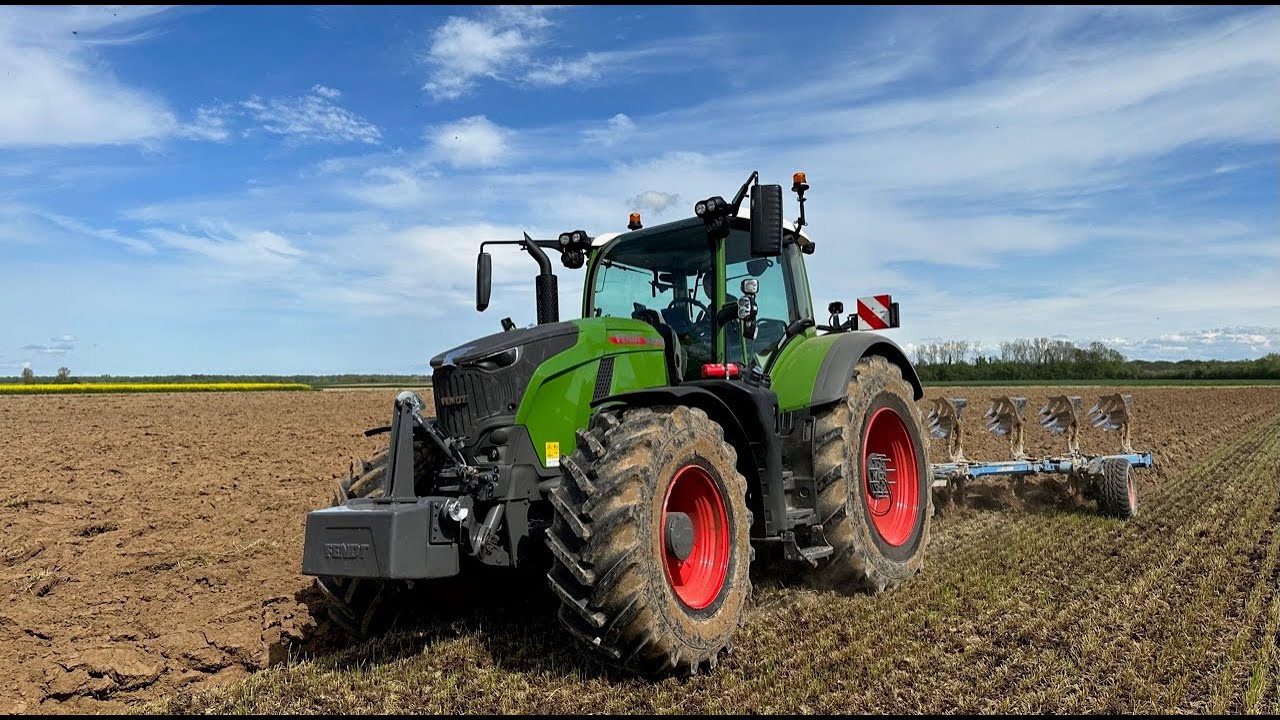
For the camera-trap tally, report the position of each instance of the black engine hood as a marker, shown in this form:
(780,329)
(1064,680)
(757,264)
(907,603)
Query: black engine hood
(468,353)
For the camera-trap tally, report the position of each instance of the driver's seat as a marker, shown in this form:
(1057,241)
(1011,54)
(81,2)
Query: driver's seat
(672,348)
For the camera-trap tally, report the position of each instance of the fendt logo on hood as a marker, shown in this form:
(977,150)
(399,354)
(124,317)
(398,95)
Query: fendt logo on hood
(345,551)
(453,400)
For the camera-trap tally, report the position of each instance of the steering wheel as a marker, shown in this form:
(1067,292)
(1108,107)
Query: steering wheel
(688,301)
(769,331)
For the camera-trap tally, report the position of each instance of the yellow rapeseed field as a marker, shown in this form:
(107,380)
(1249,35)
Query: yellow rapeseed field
(144,387)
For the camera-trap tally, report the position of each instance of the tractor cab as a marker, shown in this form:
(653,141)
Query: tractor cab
(690,287)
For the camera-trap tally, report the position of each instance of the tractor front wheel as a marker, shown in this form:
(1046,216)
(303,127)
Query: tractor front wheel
(872,475)
(651,540)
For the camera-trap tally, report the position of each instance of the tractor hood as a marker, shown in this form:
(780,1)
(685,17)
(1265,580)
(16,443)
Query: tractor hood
(480,384)
(487,347)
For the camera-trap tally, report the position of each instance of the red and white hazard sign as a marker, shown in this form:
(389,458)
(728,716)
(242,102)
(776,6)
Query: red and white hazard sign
(873,312)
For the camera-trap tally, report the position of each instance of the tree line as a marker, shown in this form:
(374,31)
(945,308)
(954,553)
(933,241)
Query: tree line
(1050,359)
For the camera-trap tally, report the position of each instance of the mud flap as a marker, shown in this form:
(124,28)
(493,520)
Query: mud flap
(379,538)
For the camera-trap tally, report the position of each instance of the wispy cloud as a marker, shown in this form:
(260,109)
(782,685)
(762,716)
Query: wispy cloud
(511,45)
(108,234)
(56,92)
(248,252)
(314,117)
(210,123)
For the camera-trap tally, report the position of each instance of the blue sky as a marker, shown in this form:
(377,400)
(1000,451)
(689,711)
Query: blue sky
(302,190)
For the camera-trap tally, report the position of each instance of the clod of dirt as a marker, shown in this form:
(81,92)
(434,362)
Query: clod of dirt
(190,649)
(21,554)
(101,670)
(98,529)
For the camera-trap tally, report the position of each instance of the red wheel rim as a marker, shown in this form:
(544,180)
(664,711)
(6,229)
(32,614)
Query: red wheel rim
(697,579)
(1133,494)
(894,514)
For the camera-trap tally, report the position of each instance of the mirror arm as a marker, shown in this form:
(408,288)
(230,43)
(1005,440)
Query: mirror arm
(742,192)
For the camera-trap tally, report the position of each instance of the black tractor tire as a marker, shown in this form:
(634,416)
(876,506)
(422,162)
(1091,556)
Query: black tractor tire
(1117,491)
(612,557)
(863,557)
(364,607)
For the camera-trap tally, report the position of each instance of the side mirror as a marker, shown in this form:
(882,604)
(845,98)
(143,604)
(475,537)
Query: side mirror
(758,266)
(484,279)
(766,220)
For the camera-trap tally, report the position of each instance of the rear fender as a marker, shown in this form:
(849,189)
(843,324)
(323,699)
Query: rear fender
(842,357)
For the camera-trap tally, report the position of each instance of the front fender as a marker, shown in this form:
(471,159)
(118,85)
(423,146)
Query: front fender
(693,396)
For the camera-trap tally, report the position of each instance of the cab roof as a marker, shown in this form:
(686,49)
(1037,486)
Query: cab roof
(743,212)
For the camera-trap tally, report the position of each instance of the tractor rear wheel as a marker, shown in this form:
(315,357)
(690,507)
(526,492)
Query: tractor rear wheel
(364,607)
(1117,493)
(651,540)
(872,474)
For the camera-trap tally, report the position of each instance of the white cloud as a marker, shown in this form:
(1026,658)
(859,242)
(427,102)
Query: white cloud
(1241,342)
(618,128)
(566,72)
(654,201)
(392,187)
(471,142)
(58,92)
(510,45)
(313,117)
(463,49)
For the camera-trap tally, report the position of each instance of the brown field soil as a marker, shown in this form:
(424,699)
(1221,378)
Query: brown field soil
(152,551)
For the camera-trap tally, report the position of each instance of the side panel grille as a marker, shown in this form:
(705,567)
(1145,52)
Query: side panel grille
(604,379)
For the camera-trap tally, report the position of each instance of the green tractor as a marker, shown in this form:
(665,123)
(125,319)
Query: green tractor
(641,455)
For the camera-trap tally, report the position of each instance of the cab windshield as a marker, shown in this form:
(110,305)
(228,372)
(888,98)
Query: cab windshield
(662,278)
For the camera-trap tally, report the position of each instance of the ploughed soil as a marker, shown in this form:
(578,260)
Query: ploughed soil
(152,543)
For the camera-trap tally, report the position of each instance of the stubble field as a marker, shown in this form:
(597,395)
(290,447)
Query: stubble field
(152,548)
